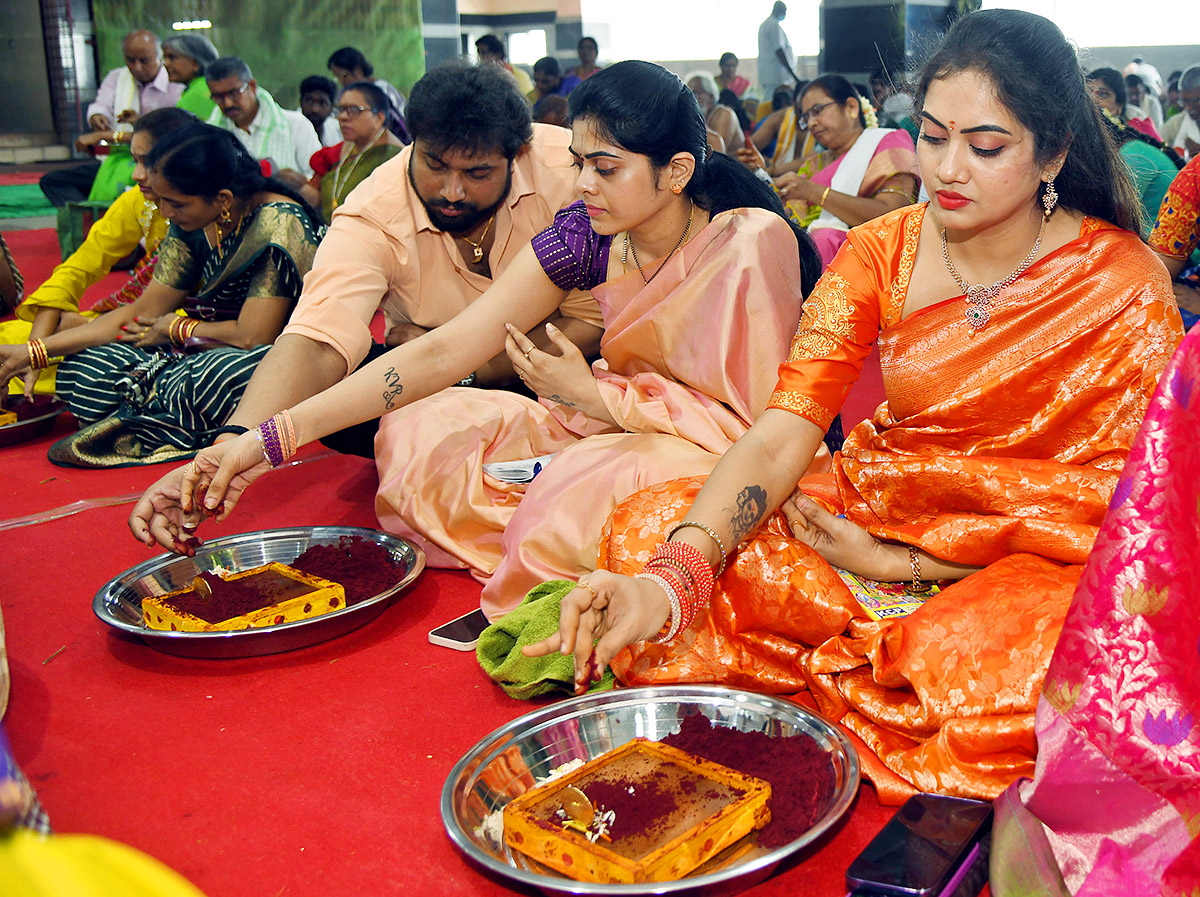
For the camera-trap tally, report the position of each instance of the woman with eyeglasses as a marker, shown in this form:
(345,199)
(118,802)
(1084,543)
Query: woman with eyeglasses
(860,172)
(362,114)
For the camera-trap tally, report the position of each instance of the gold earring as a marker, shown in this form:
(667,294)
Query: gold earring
(225,216)
(1050,197)
(677,189)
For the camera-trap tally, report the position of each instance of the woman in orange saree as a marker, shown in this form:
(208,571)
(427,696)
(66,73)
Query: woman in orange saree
(1010,411)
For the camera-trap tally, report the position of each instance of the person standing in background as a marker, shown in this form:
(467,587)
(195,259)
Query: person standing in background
(776,59)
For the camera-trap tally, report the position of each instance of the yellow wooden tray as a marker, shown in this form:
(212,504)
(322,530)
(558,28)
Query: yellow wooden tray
(319,596)
(714,807)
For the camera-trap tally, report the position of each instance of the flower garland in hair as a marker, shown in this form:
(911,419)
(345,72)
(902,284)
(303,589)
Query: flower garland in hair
(868,112)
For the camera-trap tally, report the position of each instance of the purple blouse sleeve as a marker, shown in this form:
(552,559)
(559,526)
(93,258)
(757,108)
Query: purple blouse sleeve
(573,255)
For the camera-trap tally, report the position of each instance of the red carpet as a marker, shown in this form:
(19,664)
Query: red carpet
(11,178)
(313,772)
(317,771)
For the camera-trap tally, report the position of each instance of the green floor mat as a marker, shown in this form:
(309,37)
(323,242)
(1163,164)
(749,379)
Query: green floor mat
(24,201)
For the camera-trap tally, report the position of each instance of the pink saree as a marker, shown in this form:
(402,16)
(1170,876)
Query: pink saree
(688,362)
(1114,804)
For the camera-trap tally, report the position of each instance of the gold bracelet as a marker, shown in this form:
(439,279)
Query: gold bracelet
(919,586)
(712,534)
(825,196)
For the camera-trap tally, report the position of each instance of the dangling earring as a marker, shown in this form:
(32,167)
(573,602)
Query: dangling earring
(225,216)
(1050,197)
(677,189)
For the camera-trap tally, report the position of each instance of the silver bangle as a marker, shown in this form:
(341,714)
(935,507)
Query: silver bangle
(676,608)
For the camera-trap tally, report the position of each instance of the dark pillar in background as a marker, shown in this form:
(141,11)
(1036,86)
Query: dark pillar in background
(567,34)
(440,30)
(859,36)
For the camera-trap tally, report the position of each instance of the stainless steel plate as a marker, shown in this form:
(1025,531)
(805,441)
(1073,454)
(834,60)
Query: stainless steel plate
(119,602)
(506,764)
(48,409)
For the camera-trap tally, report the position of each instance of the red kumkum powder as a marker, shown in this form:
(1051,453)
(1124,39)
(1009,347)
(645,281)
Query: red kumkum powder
(800,773)
(362,567)
(232,599)
(637,814)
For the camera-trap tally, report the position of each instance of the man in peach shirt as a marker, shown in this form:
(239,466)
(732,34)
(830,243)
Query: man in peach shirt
(422,238)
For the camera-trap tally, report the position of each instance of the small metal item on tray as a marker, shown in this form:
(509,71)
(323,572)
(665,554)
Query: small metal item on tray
(201,587)
(119,601)
(578,807)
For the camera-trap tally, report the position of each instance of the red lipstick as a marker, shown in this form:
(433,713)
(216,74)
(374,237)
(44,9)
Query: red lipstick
(950,200)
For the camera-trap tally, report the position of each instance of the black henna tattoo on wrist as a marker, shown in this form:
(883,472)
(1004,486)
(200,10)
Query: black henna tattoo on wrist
(751,506)
(394,388)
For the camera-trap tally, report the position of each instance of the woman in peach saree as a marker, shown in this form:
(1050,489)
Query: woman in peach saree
(680,392)
(1009,416)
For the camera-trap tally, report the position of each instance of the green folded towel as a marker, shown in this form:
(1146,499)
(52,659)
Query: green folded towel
(535,618)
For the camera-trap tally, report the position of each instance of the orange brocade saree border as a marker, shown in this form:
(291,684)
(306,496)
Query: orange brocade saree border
(999,449)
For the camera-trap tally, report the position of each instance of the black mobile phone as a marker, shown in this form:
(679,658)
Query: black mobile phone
(923,848)
(461,633)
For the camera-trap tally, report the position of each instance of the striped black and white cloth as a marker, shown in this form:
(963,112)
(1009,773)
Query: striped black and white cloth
(161,397)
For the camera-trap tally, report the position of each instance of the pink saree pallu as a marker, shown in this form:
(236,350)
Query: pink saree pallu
(1114,804)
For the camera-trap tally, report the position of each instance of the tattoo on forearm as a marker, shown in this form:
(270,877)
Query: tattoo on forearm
(561,401)
(394,388)
(751,505)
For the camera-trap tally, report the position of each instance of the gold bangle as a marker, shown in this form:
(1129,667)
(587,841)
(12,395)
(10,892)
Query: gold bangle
(39,358)
(712,534)
(825,196)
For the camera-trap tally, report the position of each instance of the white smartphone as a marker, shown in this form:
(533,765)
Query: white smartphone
(461,633)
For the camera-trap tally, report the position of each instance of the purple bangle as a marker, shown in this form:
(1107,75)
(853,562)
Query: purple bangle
(272,447)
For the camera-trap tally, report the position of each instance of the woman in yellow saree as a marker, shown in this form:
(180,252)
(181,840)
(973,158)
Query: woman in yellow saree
(1009,415)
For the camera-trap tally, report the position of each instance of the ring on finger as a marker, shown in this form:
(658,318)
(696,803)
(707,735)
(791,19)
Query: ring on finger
(584,585)
(527,351)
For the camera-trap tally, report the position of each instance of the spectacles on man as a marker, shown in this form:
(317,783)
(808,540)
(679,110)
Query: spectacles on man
(352,111)
(220,98)
(814,111)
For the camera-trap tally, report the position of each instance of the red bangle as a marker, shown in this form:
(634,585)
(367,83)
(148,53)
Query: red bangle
(694,562)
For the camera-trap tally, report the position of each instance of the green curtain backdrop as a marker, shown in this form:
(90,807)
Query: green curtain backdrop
(283,41)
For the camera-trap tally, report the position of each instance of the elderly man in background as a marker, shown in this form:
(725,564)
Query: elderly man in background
(1182,130)
(141,85)
(775,55)
(284,137)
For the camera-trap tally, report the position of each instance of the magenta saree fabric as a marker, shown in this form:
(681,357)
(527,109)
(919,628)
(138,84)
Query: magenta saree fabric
(1114,805)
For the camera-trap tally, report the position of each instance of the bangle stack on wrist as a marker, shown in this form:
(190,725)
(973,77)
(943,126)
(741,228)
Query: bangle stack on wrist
(39,358)
(683,572)
(278,438)
(181,329)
